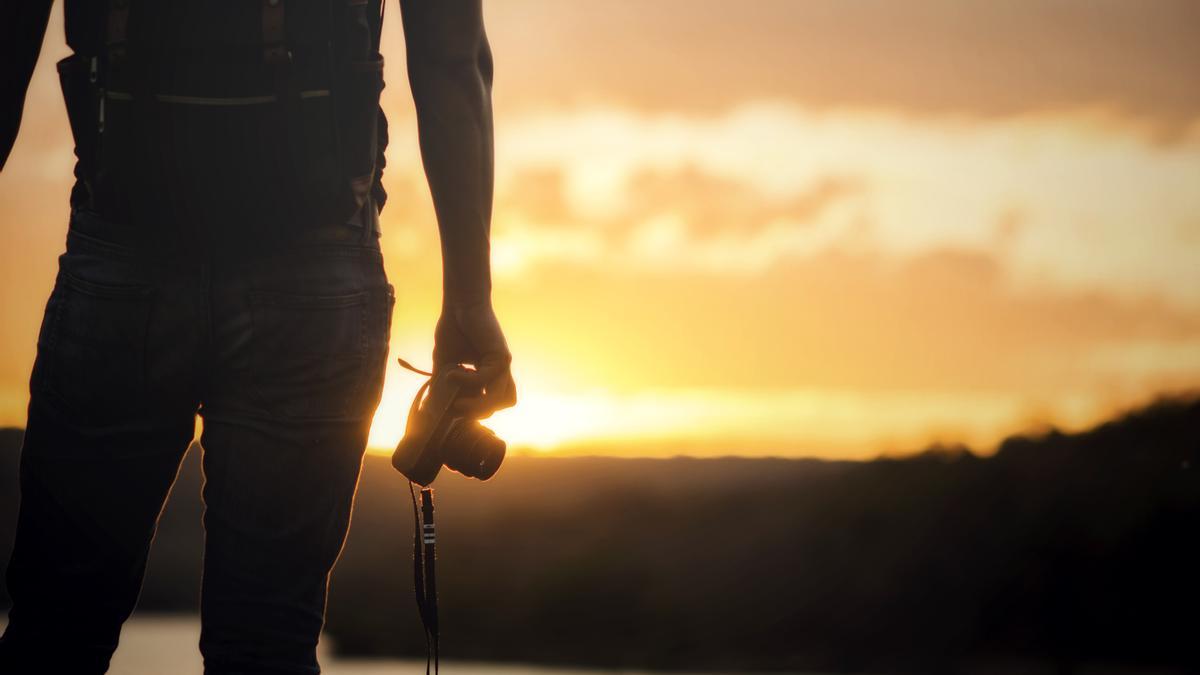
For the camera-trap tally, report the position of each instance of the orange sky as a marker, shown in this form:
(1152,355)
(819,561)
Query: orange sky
(818,228)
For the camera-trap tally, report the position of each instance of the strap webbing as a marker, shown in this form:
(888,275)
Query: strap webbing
(379,26)
(275,50)
(424,572)
(118,30)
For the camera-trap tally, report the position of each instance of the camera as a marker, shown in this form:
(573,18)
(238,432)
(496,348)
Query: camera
(435,436)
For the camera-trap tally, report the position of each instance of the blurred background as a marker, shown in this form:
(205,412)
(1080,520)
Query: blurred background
(883,237)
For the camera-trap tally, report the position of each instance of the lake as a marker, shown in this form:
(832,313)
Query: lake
(156,644)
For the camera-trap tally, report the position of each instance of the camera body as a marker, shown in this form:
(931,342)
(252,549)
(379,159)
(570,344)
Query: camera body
(437,437)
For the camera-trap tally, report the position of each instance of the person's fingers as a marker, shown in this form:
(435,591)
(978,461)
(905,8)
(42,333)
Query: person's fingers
(474,407)
(471,336)
(503,392)
(467,379)
(499,394)
(447,354)
(487,369)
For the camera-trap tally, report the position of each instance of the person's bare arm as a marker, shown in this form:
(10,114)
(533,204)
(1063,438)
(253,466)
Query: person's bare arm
(22,27)
(450,73)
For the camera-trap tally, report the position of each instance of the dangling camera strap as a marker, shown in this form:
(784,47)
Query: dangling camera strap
(424,548)
(424,571)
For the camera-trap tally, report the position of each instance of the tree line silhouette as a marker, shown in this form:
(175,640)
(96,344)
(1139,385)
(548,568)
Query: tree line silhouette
(1058,552)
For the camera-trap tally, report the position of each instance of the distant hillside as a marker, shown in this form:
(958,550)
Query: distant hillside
(1060,550)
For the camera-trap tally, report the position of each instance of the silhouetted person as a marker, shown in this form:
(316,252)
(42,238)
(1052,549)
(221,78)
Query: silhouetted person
(223,259)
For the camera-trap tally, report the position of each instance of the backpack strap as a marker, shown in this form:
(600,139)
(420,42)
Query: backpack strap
(275,51)
(379,26)
(135,69)
(117,35)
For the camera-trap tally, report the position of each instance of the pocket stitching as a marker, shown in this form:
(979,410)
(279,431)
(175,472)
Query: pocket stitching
(279,300)
(112,291)
(297,301)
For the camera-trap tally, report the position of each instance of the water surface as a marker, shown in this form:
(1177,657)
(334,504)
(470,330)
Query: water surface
(157,644)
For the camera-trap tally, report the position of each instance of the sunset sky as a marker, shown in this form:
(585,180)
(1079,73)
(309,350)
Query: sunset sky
(832,228)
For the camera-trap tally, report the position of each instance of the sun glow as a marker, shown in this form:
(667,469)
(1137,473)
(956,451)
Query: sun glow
(720,422)
(540,421)
(546,422)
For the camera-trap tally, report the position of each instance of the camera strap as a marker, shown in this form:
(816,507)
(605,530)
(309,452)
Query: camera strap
(424,571)
(412,409)
(424,546)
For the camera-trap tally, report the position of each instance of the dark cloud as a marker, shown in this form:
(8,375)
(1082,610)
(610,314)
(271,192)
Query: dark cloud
(988,58)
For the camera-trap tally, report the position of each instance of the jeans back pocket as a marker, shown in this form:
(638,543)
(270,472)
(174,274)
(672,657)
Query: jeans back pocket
(309,354)
(92,351)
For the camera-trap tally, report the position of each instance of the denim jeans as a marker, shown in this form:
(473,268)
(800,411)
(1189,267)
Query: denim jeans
(281,348)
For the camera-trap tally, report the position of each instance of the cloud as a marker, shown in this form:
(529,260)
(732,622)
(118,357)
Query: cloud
(944,321)
(1039,263)
(1077,200)
(821,226)
(920,56)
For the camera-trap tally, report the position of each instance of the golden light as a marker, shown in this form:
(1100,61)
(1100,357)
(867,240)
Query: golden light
(541,421)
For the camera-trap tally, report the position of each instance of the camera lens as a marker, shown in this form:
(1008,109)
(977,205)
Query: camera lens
(472,449)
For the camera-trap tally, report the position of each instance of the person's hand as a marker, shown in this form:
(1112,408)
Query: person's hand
(471,334)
